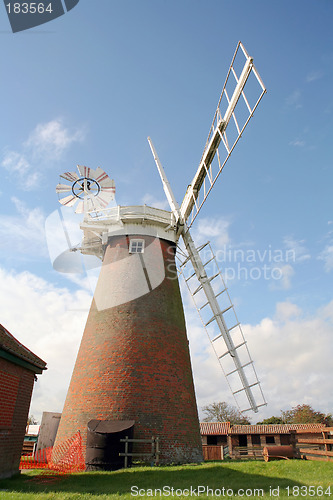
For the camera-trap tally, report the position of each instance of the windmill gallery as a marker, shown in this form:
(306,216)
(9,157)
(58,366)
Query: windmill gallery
(133,366)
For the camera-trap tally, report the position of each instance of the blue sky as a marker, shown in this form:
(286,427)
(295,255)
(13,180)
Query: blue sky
(90,86)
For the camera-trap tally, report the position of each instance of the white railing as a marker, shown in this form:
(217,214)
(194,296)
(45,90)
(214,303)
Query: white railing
(134,212)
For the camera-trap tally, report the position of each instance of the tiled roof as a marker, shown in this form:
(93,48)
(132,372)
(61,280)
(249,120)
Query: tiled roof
(310,428)
(275,428)
(218,428)
(214,428)
(11,345)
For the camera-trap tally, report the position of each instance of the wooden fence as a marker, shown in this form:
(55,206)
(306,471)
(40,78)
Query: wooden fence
(212,452)
(247,452)
(317,448)
(153,455)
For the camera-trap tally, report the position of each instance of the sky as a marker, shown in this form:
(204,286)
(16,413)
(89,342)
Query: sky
(89,87)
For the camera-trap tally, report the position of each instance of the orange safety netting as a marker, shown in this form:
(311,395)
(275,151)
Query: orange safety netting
(64,458)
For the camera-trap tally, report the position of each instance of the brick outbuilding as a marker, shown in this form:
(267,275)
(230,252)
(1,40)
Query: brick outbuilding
(18,369)
(220,439)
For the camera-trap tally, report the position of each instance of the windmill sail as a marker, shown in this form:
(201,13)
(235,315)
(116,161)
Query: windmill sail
(232,115)
(210,295)
(234,350)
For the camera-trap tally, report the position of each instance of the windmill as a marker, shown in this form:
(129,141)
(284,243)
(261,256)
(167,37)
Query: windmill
(133,362)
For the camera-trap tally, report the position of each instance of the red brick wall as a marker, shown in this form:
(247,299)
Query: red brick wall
(8,393)
(134,363)
(16,384)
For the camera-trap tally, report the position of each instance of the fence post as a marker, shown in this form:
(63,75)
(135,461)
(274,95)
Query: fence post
(153,447)
(325,436)
(153,455)
(157,450)
(296,453)
(126,452)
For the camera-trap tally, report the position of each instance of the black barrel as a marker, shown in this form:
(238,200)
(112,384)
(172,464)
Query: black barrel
(104,446)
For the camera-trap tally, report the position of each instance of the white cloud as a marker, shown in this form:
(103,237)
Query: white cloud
(292,354)
(296,249)
(297,143)
(327,312)
(282,277)
(50,140)
(327,256)
(152,201)
(15,162)
(286,311)
(295,362)
(213,229)
(294,100)
(23,231)
(47,143)
(313,76)
(50,323)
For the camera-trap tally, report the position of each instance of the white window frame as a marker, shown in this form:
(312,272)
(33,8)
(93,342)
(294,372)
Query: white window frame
(136,245)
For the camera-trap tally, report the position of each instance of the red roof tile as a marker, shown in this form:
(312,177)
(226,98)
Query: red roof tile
(214,428)
(275,428)
(224,428)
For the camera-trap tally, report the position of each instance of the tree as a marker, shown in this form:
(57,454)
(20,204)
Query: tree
(271,420)
(32,420)
(222,412)
(328,420)
(304,414)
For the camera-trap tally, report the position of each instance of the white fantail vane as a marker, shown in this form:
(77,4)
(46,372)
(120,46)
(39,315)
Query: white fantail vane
(90,191)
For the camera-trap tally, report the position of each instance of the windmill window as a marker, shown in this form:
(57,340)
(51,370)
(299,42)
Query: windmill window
(136,246)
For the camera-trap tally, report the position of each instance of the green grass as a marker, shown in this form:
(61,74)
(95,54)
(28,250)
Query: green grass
(267,478)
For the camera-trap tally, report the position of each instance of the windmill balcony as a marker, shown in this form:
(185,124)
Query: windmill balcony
(137,219)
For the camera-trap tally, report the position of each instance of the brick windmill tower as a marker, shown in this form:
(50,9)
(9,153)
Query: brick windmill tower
(134,363)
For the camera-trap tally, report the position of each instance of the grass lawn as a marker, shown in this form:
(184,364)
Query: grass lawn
(278,479)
